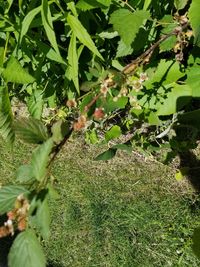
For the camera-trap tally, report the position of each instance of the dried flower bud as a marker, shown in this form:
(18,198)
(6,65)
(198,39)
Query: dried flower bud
(71,103)
(124,91)
(80,124)
(99,114)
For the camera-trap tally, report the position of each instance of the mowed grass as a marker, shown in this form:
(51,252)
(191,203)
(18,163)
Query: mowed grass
(125,212)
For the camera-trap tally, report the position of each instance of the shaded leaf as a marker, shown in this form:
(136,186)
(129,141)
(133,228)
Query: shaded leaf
(8,195)
(6,117)
(24,173)
(31,130)
(106,155)
(26,251)
(40,159)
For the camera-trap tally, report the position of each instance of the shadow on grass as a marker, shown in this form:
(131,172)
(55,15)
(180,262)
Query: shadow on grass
(54,264)
(189,159)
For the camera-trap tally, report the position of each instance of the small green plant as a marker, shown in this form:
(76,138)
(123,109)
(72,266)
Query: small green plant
(104,68)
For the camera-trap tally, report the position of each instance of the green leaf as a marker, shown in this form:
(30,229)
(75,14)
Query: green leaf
(178,96)
(81,33)
(194,18)
(41,219)
(26,251)
(190,118)
(59,131)
(146,4)
(8,195)
(105,2)
(85,5)
(31,130)
(40,159)
(106,155)
(6,117)
(113,133)
(15,73)
(27,21)
(48,25)
(72,71)
(127,24)
(35,104)
(123,49)
(193,80)
(24,173)
(180,4)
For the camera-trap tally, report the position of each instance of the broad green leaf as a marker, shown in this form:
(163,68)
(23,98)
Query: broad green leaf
(35,104)
(73,62)
(15,73)
(123,49)
(168,44)
(108,35)
(194,18)
(26,251)
(59,131)
(106,155)
(40,159)
(81,33)
(193,80)
(1,56)
(8,195)
(111,105)
(178,96)
(113,133)
(41,218)
(31,130)
(180,4)
(24,173)
(127,24)
(27,21)
(48,25)
(166,72)
(6,117)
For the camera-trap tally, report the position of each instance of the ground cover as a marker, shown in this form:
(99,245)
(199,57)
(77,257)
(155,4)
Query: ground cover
(123,212)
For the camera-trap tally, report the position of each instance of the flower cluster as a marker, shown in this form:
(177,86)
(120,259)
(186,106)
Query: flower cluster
(17,218)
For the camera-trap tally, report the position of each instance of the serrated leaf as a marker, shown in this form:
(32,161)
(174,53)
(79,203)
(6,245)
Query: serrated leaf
(113,133)
(8,195)
(24,173)
(6,117)
(26,251)
(127,24)
(194,18)
(27,21)
(168,44)
(180,4)
(31,130)
(85,5)
(59,130)
(15,73)
(123,49)
(106,155)
(41,218)
(81,33)
(40,159)
(35,104)
(48,25)
(193,80)
(72,71)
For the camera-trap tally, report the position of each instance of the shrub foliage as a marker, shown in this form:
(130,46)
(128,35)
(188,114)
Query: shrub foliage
(104,68)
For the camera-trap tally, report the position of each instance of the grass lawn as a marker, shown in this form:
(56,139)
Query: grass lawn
(122,213)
